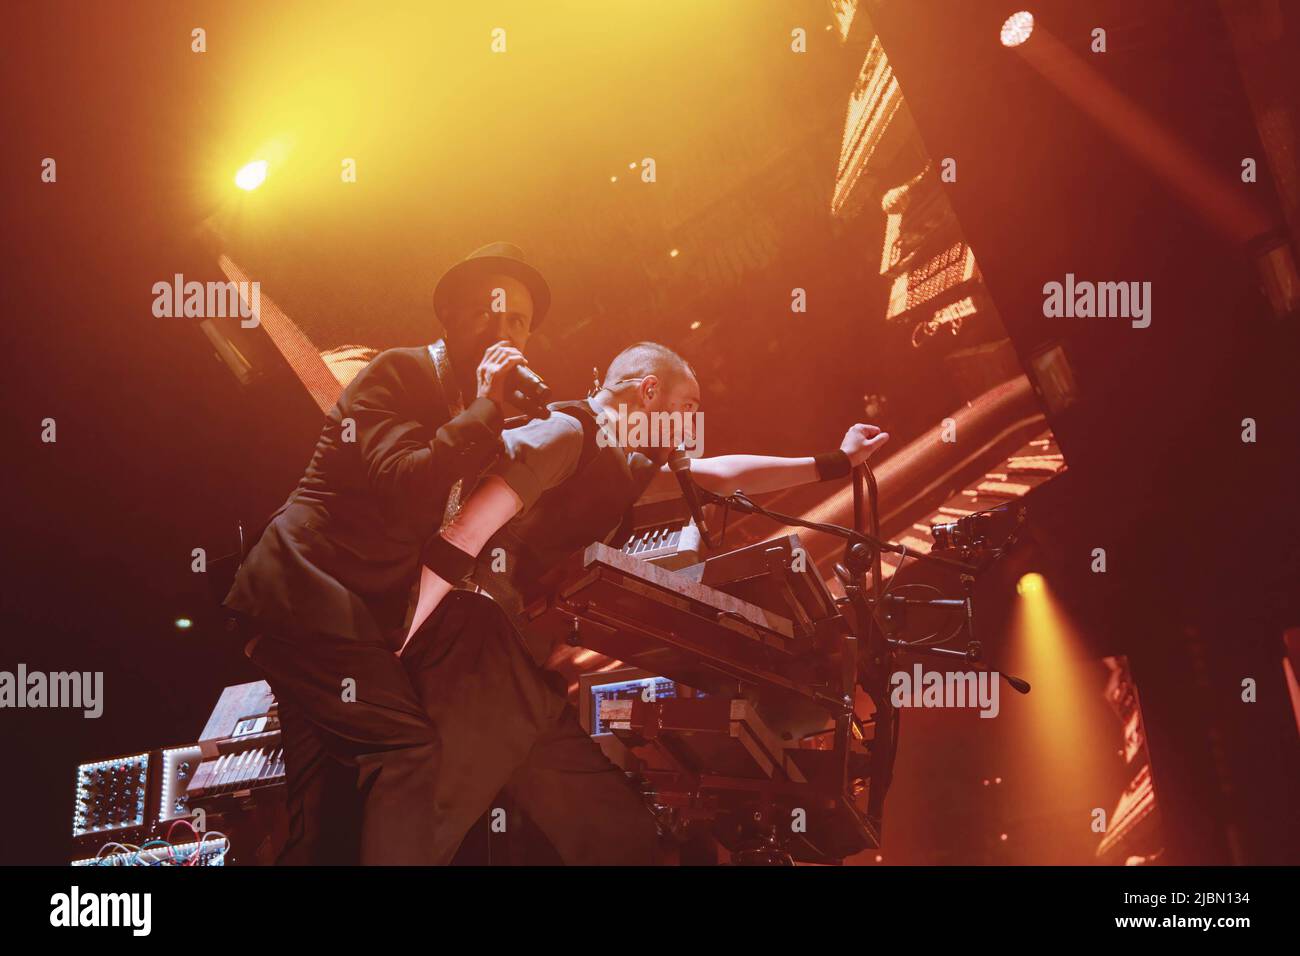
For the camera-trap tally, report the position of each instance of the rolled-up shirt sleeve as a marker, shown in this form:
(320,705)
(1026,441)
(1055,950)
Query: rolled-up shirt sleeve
(538,456)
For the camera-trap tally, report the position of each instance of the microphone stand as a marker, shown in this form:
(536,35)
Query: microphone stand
(871,669)
(875,679)
(862,551)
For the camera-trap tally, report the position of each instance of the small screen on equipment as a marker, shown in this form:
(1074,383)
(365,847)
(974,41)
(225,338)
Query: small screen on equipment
(648,688)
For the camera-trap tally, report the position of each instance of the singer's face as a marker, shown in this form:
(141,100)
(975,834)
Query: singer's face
(680,398)
(496,308)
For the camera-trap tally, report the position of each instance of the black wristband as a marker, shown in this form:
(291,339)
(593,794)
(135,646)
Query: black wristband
(832,464)
(486,411)
(446,560)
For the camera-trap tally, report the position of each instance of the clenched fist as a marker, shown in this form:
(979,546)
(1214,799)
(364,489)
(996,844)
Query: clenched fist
(495,368)
(861,441)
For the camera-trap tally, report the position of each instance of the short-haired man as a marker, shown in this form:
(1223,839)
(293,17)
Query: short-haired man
(561,484)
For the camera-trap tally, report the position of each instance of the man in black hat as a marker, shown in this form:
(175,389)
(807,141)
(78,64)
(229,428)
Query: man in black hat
(324,591)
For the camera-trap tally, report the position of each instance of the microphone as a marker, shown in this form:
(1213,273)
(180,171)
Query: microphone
(681,467)
(1019,684)
(529,392)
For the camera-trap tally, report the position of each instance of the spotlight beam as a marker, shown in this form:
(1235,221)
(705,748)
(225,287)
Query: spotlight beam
(1144,136)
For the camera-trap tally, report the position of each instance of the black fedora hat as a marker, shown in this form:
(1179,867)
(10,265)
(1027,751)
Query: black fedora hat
(496,258)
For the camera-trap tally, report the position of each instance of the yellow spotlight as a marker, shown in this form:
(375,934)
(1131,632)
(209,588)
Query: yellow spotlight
(1017,28)
(252,175)
(1031,583)
(674,253)
(1059,752)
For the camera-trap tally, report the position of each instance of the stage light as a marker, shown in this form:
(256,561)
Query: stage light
(183,624)
(1017,28)
(673,254)
(1058,749)
(252,175)
(696,324)
(1031,583)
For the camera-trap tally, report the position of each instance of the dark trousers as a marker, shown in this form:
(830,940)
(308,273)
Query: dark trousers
(361,755)
(505,725)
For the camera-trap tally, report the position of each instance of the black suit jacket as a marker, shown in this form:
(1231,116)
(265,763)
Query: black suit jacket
(340,556)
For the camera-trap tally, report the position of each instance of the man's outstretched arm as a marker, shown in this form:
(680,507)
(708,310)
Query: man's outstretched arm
(756,474)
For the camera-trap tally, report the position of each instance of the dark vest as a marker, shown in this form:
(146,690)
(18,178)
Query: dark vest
(592,504)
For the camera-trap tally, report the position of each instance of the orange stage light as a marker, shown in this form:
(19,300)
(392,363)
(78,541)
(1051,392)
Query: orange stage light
(1031,583)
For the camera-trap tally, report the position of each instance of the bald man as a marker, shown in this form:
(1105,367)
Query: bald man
(561,484)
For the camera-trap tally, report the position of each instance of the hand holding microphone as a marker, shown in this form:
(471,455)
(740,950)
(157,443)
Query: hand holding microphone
(504,375)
